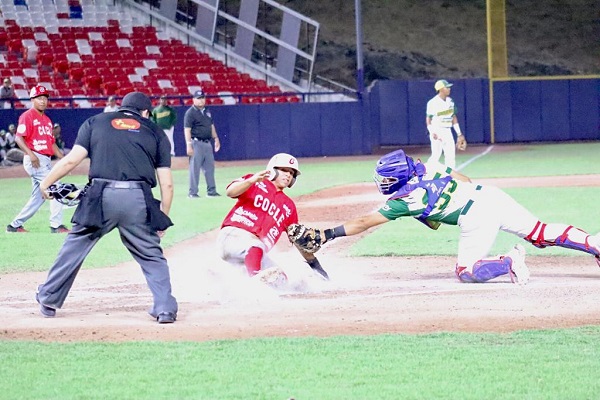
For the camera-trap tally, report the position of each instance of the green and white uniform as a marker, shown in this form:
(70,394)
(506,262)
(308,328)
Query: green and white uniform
(479,210)
(441,113)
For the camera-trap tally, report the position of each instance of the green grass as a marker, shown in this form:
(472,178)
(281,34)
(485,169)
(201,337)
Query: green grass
(532,365)
(550,364)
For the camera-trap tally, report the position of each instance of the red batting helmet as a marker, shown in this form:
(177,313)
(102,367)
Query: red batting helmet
(38,91)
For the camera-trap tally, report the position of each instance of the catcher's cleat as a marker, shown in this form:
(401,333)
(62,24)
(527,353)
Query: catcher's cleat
(47,312)
(519,273)
(272,277)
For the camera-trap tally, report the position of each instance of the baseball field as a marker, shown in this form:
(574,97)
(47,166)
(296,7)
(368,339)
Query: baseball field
(393,322)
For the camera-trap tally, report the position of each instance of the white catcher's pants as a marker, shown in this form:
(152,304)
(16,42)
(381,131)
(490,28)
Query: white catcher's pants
(443,143)
(492,210)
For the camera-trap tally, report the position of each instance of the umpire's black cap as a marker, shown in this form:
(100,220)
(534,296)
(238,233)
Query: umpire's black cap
(136,101)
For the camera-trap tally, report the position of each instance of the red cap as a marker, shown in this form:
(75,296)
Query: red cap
(38,91)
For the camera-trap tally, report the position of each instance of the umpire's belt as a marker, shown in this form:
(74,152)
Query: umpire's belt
(201,140)
(120,184)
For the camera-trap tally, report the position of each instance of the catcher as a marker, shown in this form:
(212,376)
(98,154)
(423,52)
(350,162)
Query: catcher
(441,118)
(261,214)
(435,195)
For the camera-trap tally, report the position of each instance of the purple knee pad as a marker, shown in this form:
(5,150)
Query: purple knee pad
(484,270)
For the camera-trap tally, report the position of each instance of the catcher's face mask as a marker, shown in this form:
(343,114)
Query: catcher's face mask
(393,171)
(67,194)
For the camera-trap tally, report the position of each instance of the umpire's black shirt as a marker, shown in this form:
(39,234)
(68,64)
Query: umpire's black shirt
(124,146)
(200,121)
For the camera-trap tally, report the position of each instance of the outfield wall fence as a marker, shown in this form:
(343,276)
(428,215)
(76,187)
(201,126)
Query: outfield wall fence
(391,113)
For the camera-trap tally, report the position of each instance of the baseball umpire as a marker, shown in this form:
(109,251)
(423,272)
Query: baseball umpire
(435,195)
(127,152)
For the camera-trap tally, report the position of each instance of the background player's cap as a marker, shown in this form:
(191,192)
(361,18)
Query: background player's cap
(136,100)
(38,91)
(442,83)
(199,94)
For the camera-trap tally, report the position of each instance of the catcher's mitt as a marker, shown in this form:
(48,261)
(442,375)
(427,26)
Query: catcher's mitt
(67,194)
(461,143)
(304,238)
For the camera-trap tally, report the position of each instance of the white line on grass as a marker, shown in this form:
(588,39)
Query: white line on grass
(469,161)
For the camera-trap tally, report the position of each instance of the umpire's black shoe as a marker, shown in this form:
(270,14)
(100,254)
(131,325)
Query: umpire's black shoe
(46,311)
(215,194)
(166,318)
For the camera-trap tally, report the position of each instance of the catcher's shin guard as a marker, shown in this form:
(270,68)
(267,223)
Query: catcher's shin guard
(565,236)
(484,270)
(253,260)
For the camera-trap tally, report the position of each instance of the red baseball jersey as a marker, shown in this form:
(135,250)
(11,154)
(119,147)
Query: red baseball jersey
(264,211)
(36,130)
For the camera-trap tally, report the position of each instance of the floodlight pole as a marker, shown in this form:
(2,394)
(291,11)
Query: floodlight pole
(360,78)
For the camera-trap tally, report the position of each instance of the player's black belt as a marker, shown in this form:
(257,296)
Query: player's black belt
(120,184)
(201,140)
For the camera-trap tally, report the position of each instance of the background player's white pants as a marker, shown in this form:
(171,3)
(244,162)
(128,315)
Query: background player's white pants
(443,143)
(233,244)
(169,133)
(492,210)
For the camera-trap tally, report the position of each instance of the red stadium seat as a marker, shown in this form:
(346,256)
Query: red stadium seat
(60,67)
(179,63)
(76,73)
(110,88)
(93,82)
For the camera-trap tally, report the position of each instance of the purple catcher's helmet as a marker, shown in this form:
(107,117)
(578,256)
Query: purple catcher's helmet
(393,171)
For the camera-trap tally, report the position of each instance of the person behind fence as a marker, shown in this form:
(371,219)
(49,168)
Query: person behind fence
(111,104)
(11,135)
(3,145)
(7,93)
(35,139)
(57,132)
(129,155)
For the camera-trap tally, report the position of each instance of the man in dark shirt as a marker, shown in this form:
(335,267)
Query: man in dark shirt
(127,154)
(199,129)
(7,93)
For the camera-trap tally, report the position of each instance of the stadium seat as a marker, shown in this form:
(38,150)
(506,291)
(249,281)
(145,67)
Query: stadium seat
(93,83)
(77,58)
